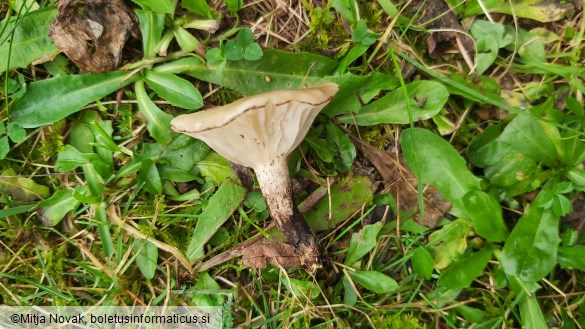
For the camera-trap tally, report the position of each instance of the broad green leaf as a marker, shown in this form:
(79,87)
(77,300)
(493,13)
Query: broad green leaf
(182,65)
(151,27)
(22,188)
(472,314)
(178,91)
(461,273)
(449,243)
(215,59)
(207,285)
(355,90)
(151,151)
(234,5)
(572,257)
(484,97)
(70,158)
(16,133)
(530,252)
(572,149)
(103,138)
(30,40)
(484,85)
(219,208)
(253,52)
(486,214)
(199,7)
(50,100)
(485,150)
(436,162)
(349,294)
(531,313)
(388,7)
(4,147)
(184,152)
(250,49)
(176,175)
(345,150)
(426,99)
(53,209)
(275,70)
(58,66)
(149,177)
(362,35)
(158,6)
(348,9)
(529,46)
(577,177)
(422,263)
(321,147)
(158,122)
(81,137)
(362,242)
(83,195)
(23,5)
(375,281)
(95,182)
(234,50)
(490,37)
(410,225)
(302,289)
(105,146)
(526,135)
(575,107)
(512,169)
(353,54)
(347,196)
(146,257)
(186,40)
(215,168)
(255,201)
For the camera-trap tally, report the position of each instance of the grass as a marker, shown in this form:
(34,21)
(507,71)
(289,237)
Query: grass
(101,206)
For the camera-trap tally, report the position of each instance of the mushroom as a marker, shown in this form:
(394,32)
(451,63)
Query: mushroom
(260,132)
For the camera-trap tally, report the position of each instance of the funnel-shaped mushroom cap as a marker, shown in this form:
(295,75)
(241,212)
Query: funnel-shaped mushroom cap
(256,130)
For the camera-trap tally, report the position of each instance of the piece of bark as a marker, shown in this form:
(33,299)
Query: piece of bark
(403,185)
(92,33)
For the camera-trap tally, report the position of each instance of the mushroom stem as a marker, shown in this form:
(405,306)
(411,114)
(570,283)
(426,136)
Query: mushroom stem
(275,184)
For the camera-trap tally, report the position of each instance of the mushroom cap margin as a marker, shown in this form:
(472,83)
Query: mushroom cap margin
(258,130)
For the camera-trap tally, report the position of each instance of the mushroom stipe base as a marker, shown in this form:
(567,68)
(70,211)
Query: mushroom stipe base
(275,183)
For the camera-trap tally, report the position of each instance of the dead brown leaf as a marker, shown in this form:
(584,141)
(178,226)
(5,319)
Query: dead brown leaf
(92,33)
(403,184)
(436,15)
(265,252)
